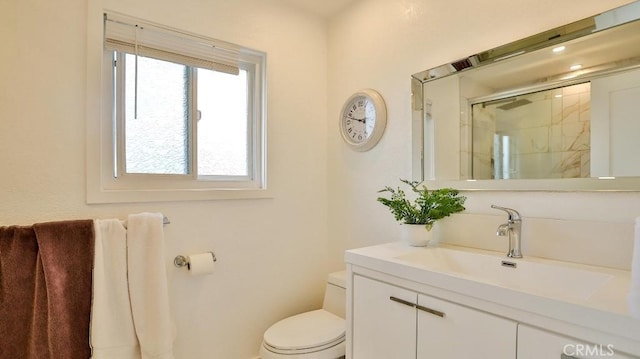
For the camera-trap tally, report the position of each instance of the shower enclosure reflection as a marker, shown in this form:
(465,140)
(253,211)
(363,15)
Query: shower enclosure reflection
(545,134)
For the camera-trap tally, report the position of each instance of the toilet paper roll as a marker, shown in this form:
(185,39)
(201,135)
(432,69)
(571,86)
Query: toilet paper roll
(200,264)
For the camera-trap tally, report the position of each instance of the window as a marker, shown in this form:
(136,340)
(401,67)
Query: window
(180,112)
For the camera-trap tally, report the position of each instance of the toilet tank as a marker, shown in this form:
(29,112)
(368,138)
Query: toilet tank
(335,294)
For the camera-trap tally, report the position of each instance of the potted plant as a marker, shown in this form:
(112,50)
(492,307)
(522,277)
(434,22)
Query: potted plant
(427,208)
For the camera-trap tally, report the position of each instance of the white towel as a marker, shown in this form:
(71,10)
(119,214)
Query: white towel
(634,294)
(148,289)
(112,331)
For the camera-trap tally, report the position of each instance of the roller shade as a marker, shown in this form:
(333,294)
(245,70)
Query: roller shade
(133,36)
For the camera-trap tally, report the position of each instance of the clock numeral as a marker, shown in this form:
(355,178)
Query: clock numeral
(348,122)
(361,103)
(360,137)
(354,107)
(349,130)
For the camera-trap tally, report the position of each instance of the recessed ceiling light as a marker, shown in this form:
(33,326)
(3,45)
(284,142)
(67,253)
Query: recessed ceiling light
(557,96)
(575,67)
(558,49)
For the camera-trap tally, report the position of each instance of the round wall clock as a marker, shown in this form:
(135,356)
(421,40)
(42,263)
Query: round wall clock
(363,119)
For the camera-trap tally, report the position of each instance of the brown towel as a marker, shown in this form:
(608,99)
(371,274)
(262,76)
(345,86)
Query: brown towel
(45,290)
(18,267)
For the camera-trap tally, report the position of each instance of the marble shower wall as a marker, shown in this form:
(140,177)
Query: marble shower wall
(540,135)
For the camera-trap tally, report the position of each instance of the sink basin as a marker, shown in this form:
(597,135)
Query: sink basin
(531,275)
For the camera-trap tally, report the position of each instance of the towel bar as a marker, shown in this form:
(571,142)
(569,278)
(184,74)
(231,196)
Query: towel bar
(165,220)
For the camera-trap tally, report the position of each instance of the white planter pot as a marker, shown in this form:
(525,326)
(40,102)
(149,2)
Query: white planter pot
(416,235)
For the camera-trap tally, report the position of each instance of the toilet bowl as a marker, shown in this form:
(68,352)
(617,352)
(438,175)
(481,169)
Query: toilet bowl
(318,334)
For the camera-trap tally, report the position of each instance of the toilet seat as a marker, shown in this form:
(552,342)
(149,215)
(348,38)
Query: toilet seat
(307,333)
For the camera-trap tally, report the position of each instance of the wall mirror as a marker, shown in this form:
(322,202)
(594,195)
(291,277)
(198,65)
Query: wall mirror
(559,110)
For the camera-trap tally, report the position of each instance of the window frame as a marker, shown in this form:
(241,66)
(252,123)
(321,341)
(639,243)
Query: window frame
(133,187)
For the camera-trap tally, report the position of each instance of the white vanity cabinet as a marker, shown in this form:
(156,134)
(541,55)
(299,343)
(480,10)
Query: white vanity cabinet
(461,303)
(382,329)
(393,322)
(534,343)
(448,330)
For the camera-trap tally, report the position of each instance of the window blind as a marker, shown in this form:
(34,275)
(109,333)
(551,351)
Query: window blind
(134,36)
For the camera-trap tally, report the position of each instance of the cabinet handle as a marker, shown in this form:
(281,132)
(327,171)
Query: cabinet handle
(431,311)
(419,307)
(402,301)
(565,356)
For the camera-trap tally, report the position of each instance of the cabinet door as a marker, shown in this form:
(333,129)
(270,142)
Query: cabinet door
(535,343)
(383,328)
(447,330)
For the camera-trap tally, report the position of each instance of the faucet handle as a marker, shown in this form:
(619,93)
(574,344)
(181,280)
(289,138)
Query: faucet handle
(513,214)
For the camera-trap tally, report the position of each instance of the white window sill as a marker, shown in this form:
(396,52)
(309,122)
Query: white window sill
(98,196)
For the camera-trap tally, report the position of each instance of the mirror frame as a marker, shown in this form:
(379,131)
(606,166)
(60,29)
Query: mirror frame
(553,37)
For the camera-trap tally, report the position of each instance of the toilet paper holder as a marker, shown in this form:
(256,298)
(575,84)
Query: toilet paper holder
(183,261)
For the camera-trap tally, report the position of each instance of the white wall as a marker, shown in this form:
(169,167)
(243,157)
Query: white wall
(272,253)
(379,44)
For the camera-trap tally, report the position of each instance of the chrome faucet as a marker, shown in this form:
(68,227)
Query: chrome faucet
(512,229)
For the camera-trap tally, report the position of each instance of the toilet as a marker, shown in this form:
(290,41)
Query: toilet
(318,334)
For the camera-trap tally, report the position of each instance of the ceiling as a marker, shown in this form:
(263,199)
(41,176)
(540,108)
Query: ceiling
(324,8)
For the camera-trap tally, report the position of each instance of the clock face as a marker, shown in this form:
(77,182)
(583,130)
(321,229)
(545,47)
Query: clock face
(363,119)
(359,119)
